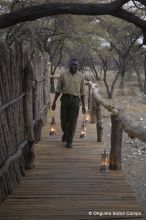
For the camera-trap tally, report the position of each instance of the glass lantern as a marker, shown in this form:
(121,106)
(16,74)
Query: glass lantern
(53,127)
(83,130)
(88,116)
(104,166)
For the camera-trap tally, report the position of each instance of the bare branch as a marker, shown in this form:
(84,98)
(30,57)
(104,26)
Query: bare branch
(34,12)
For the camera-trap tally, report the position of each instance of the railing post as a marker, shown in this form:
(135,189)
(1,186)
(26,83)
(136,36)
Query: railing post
(28,114)
(116,144)
(28,101)
(91,104)
(99,127)
(93,118)
(89,97)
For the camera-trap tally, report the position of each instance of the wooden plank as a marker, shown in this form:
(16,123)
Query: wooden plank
(66,184)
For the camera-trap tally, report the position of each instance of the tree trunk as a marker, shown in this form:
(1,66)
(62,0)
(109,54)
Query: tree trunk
(28,112)
(50,9)
(110,91)
(93,115)
(28,101)
(116,144)
(145,75)
(110,95)
(52,85)
(122,73)
(91,104)
(89,98)
(99,127)
(121,86)
(140,81)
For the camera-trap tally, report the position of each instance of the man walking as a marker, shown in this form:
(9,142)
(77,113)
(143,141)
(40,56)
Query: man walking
(71,85)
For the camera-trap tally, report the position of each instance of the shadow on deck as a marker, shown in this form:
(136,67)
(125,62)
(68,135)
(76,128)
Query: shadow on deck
(66,184)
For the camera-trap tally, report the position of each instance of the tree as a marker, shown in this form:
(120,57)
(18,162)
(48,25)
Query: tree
(122,39)
(137,62)
(79,44)
(82,38)
(115,8)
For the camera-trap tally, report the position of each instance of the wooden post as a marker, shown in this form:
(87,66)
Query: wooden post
(116,144)
(99,127)
(91,104)
(28,113)
(28,102)
(93,110)
(89,97)
(46,88)
(52,83)
(145,74)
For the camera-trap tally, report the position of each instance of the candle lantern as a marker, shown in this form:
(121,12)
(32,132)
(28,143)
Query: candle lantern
(83,130)
(53,127)
(104,161)
(88,116)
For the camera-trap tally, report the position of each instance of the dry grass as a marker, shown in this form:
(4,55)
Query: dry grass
(131,100)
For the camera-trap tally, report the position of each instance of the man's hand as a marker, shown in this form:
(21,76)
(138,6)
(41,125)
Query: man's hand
(53,106)
(83,110)
(54,101)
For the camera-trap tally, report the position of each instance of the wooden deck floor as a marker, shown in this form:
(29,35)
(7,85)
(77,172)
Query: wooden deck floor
(67,184)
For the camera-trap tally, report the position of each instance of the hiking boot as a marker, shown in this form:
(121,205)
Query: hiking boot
(69,145)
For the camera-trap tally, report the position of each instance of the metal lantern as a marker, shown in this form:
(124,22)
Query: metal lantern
(53,127)
(104,161)
(83,130)
(88,116)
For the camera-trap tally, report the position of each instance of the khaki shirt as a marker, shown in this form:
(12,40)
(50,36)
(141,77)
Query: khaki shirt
(71,84)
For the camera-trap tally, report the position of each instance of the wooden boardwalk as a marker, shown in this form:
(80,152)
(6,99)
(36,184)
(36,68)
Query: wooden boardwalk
(66,184)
